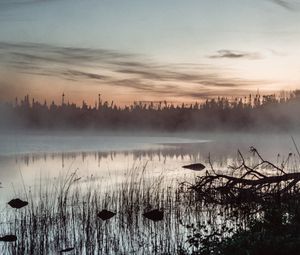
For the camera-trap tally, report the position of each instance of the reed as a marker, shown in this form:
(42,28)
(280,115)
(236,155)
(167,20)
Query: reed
(62,214)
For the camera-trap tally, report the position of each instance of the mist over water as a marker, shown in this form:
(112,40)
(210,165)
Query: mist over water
(149,127)
(28,157)
(255,113)
(134,157)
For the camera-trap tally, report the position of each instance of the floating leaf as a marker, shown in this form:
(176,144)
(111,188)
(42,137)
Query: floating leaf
(155,215)
(105,215)
(195,167)
(17,203)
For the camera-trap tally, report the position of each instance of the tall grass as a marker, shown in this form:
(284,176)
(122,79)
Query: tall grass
(62,213)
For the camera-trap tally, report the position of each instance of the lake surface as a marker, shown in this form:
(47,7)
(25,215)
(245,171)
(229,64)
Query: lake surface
(26,159)
(127,174)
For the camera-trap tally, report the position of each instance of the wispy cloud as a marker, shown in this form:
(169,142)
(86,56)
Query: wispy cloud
(137,73)
(235,54)
(11,2)
(287,4)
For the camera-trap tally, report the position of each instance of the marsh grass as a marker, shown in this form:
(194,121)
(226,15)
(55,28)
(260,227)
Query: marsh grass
(62,213)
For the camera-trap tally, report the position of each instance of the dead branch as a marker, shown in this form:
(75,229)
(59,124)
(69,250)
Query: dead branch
(251,183)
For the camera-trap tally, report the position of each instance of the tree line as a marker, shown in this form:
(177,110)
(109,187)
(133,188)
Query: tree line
(248,113)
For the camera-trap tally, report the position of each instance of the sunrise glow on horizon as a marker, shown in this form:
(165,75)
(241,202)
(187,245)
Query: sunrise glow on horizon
(179,51)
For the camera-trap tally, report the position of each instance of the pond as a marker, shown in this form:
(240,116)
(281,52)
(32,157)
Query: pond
(128,174)
(37,155)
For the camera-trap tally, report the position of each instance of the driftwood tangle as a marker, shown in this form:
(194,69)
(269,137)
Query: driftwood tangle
(247,183)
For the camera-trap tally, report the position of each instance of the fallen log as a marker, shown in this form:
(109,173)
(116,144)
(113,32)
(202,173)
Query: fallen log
(247,182)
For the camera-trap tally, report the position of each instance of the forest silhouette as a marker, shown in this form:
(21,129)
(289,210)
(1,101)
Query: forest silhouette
(258,112)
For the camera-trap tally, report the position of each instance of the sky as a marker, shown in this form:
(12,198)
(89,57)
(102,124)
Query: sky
(141,50)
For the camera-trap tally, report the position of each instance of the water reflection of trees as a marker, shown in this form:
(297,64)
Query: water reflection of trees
(191,224)
(182,153)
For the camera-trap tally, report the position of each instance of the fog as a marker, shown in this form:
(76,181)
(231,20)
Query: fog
(249,114)
(217,144)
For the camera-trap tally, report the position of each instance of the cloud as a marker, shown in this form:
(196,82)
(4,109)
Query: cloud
(286,4)
(85,75)
(15,4)
(235,54)
(21,2)
(283,3)
(210,93)
(136,73)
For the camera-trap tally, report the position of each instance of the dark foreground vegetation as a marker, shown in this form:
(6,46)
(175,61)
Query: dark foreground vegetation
(138,216)
(249,113)
(264,196)
(250,208)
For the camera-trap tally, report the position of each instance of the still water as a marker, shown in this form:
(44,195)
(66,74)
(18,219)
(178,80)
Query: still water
(26,159)
(104,162)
